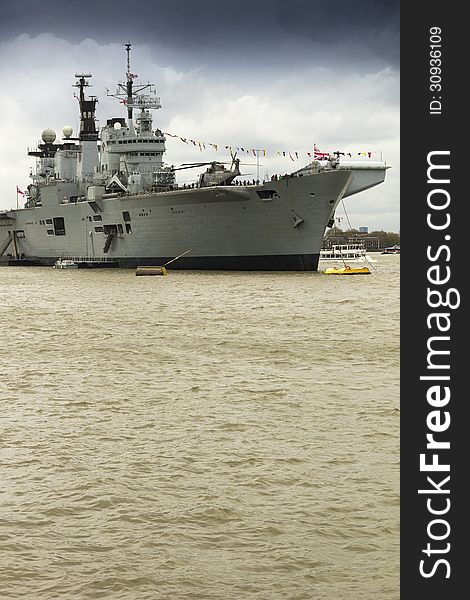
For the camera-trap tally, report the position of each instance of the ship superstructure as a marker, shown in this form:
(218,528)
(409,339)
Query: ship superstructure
(109,194)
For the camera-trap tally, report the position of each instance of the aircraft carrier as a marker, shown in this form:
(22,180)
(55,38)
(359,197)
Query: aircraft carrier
(107,198)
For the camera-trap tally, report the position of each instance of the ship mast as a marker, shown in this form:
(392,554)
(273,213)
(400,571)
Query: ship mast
(131,95)
(88,130)
(88,135)
(129,82)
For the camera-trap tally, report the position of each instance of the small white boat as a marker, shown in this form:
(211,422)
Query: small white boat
(65,263)
(346,252)
(391,250)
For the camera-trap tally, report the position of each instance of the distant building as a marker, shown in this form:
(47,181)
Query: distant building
(363,230)
(371,243)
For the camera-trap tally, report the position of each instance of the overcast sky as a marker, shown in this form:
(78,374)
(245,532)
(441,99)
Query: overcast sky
(277,75)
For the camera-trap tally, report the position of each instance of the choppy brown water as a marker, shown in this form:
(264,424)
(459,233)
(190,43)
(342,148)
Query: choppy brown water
(205,435)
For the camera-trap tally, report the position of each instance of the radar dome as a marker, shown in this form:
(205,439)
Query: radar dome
(67,131)
(117,125)
(48,136)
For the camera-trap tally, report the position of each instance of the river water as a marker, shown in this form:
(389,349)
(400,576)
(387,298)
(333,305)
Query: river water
(206,435)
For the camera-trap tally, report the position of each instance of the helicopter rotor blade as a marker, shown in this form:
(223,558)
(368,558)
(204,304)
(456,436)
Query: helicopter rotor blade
(212,162)
(201,164)
(186,167)
(218,162)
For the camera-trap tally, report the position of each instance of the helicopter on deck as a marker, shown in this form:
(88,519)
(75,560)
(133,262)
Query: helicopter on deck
(216,173)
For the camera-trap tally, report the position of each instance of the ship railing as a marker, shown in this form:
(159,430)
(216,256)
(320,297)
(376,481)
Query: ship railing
(88,258)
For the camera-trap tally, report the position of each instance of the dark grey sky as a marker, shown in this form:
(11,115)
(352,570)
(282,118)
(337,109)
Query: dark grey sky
(263,31)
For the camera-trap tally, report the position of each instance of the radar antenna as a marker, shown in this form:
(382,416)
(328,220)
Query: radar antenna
(131,95)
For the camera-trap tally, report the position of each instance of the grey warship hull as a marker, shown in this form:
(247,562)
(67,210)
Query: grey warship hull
(278,225)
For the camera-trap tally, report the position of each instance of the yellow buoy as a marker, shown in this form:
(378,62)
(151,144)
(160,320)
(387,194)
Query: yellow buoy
(151,271)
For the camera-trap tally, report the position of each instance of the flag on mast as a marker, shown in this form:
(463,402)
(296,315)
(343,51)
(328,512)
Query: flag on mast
(18,191)
(319,155)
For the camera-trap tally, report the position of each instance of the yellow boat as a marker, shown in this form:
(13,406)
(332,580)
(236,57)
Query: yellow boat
(347,271)
(151,271)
